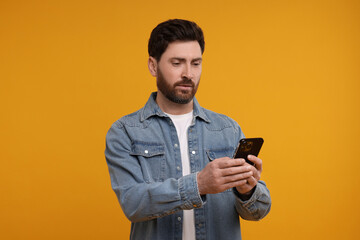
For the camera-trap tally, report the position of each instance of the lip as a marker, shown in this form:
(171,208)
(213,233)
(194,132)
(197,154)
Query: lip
(184,86)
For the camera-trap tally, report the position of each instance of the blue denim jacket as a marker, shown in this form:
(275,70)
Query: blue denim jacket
(143,156)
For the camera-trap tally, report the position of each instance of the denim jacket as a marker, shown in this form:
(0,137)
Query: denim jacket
(143,156)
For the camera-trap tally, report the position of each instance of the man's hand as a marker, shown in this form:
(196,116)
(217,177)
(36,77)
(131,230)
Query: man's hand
(254,178)
(224,173)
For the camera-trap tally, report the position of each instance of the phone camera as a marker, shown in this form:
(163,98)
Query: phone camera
(247,146)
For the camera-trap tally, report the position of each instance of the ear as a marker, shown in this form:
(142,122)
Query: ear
(152,65)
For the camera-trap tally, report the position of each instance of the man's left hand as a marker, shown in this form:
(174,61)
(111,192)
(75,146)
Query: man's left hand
(251,182)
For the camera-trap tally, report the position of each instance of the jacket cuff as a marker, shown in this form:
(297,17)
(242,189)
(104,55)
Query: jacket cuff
(258,205)
(189,192)
(250,199)
(244,197)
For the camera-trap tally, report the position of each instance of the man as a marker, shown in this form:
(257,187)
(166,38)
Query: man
(170,162)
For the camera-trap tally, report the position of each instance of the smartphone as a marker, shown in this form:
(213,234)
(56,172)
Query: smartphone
(248,146)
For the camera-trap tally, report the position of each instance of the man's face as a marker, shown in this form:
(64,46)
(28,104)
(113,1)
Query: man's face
(179,71)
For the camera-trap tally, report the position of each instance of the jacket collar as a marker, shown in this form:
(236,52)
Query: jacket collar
(151,109)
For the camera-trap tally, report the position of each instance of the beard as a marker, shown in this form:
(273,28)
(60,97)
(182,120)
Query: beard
(179,96)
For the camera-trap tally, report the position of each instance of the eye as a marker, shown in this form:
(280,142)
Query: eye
(197,63)
(175,63)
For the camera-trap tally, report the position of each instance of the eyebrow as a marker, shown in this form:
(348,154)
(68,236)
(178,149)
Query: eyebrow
(183,59)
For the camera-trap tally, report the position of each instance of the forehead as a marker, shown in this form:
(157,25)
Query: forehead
(182,49)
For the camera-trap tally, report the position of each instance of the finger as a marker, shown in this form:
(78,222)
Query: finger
(237,170)
(256,173)
(248,186)
(257,161)
(237,177)
(229,162)
(239,183)
(252,182)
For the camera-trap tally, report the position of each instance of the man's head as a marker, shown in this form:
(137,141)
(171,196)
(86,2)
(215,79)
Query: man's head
(175,49)
(171,31)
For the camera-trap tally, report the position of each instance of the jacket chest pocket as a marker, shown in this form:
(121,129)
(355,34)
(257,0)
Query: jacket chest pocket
(215,153)
(151,158)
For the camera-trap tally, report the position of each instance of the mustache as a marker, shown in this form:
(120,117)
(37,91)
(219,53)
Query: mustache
(185,81)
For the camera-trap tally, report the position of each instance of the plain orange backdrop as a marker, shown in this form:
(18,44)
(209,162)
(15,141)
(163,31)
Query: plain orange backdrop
(284,70)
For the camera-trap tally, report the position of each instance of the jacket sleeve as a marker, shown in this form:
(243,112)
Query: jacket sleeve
(258,206)
(141,200)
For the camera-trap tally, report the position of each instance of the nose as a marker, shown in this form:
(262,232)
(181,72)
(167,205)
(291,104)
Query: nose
(187,72)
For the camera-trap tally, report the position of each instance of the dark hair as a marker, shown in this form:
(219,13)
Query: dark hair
(173,30)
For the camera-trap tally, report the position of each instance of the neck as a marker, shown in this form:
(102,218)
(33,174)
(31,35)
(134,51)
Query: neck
(173,108)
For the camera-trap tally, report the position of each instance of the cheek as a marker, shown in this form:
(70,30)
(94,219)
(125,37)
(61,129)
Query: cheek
(172,75)
(198,73)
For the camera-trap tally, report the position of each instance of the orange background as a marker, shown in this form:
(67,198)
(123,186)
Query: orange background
(285,70)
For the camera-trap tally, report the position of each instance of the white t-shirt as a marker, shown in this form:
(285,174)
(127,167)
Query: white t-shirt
(182,123)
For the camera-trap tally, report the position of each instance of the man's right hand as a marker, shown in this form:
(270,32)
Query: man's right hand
(222,174)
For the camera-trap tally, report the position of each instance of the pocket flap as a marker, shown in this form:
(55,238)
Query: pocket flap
(147,149)
(219,153)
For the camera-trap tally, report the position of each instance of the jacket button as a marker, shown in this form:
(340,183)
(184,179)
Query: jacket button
(146,151)
(193,152)
(179,219)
